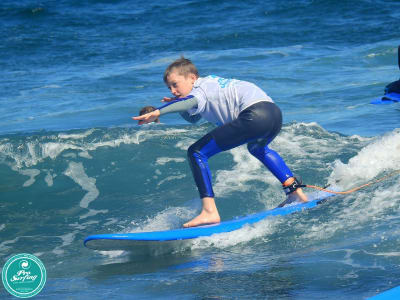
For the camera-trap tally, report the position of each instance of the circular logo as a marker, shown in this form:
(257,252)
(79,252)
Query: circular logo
(24,275)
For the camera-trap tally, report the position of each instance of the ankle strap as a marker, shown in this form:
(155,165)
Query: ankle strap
(293,186)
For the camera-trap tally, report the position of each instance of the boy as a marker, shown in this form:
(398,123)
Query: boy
(243,113)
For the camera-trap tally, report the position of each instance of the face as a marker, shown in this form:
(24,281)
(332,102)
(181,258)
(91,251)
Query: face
(180,85)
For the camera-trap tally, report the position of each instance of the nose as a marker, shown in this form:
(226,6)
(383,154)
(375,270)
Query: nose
(174,91)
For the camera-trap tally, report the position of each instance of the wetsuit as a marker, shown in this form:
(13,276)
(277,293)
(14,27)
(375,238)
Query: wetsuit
(244,115)
(393,87)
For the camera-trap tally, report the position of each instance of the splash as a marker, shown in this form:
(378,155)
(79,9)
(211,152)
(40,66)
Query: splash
(382,155)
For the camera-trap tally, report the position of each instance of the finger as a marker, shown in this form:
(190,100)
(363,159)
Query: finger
(142,117)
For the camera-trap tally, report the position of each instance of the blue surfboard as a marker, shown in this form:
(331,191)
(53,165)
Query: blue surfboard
(388,295)
(387,99)
(128,241)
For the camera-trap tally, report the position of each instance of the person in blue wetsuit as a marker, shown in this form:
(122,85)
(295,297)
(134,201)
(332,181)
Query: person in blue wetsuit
(243,113)
(392,90)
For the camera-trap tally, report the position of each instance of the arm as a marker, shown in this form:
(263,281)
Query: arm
(178,105)
(181,106)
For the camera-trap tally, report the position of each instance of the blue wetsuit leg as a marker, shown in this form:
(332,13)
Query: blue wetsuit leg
(272,160)
(198,155)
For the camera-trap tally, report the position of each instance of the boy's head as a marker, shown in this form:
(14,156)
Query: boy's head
(180,77)
(181,66)
(148,109)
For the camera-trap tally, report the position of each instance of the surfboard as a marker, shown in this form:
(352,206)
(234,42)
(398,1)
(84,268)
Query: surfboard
(393,293)
(165,238)
(387,99)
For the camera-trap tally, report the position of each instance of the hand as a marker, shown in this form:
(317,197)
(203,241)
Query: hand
(167,99)
(147,118)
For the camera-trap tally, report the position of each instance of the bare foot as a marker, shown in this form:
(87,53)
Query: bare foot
(209,214)
(297,195)
(300,195)
(204,218)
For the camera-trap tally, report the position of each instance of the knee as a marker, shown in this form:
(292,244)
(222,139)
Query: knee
(193,149)
(204,148)
(255,148)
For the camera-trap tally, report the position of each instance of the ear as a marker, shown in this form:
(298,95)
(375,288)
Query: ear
(192,77)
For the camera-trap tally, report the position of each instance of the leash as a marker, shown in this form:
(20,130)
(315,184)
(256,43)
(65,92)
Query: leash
(353,189)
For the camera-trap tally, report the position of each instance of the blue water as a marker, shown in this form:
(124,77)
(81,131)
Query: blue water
(73,163)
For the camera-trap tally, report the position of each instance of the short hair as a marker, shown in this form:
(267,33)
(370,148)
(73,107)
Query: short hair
(146,110)
(184,67)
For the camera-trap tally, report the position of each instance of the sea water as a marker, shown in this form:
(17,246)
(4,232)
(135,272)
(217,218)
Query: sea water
(73,163)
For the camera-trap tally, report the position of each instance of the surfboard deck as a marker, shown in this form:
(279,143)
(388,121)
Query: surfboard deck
(166,238)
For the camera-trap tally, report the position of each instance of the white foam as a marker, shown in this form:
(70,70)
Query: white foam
(170,218)
(38,254)
(362,208)
(49,179)
(32,173)
(93,212)
(184,143)
(52,150)
(85,154)
(67,239)
(36,151)
(76,135)
(115,254)
(386,52)
(246,168)
(52,86)
(387,254)
(170,178)
(82,226)
(4,246)
(349,260)
(2,226)
(243,235)
(165,160)
(77,173)
(309,140)
(111,221)
(383,154)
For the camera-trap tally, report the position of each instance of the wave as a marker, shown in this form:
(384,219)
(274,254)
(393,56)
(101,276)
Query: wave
(129,180)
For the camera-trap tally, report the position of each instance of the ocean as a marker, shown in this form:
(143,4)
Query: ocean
(73,163)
